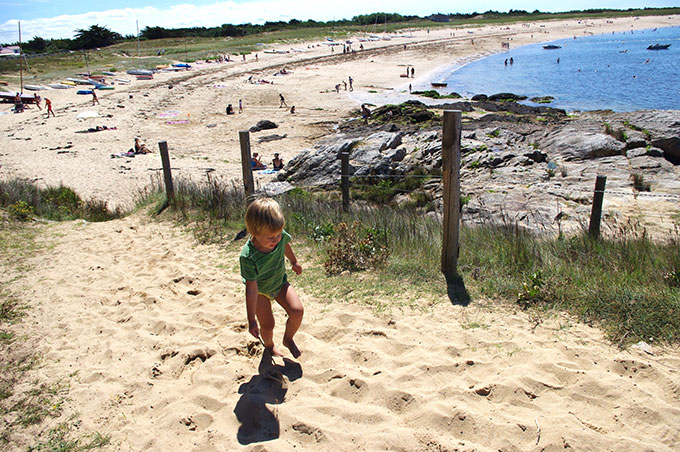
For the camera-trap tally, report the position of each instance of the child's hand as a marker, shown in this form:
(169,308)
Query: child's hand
(254,329)
(297,268)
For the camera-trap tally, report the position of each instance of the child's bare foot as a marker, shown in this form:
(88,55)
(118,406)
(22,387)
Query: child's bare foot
(290,345)
(274,351)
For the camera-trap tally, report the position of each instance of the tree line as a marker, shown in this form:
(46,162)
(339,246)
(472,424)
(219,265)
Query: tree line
(97,36)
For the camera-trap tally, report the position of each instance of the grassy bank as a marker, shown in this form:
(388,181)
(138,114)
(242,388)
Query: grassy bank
(25,402)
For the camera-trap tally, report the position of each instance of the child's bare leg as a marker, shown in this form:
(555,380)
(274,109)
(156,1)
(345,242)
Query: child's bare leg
(290,301)
(266,319)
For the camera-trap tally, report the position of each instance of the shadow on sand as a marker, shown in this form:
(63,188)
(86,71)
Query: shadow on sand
(268,387)
(458,294)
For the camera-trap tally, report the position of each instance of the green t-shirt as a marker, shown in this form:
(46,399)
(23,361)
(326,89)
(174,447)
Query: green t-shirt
(268,269)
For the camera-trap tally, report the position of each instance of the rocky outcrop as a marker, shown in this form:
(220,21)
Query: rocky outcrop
(534,172)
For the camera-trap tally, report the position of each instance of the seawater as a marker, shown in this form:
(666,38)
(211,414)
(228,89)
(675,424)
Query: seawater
(613,71)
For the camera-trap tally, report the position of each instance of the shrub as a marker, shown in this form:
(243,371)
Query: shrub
(355,247)
(20,210)
(639,182)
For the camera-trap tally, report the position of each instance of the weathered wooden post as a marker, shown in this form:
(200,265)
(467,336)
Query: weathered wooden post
(167,174)
(344,180)
(246,166)
(451,195)
(596,212)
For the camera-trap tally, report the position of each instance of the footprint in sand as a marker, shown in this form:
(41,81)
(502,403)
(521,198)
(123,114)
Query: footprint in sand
(176,363)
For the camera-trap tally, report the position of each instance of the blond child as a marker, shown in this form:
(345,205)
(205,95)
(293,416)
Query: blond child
(263,270)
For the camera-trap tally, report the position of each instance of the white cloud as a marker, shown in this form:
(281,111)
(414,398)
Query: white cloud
(186,15)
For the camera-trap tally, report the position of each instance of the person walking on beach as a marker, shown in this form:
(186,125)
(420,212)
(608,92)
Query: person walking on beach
(263,270)
(48,107)
(37,99)
(95,100)
(351,88)
(283,101)
(240,106)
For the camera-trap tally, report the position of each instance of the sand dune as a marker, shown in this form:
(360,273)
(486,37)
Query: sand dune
(149,329)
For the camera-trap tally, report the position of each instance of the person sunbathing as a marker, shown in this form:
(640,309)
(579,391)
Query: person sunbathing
(255,162)
(140,148)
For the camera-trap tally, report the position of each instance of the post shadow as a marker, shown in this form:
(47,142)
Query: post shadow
(456,290)
(258,424)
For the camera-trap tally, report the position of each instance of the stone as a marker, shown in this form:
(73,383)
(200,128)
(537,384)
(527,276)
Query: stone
(263,125)
(573,144)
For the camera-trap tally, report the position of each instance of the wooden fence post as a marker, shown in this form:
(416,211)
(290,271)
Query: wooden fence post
(596,212)
(344,180)
(451,195)
(167,174)
(246,165)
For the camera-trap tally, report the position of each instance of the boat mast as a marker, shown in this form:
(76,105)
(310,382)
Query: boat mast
(21,64)
(139,52)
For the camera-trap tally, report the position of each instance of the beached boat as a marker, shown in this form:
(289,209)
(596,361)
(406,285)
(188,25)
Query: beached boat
(658,47)
(84,91)
(80,81)
(144,77)
(438,84)
(140,72)
(3,83)
(35,87)
(10,97)
(551,47)
(184,65)
(60,86)
(123,81)
(110,74)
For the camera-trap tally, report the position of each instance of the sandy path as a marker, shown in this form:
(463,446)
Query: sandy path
(148,328)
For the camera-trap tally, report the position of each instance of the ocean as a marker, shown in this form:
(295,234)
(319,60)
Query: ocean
(613,71)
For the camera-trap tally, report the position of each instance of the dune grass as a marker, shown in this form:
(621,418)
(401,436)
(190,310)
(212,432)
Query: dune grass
(24,200)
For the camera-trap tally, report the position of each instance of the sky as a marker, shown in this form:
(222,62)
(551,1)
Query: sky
(52,19)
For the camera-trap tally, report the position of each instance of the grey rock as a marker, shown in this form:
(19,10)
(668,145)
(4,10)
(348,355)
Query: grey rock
(263,125)
(573,144)
(635,139)
(276,188)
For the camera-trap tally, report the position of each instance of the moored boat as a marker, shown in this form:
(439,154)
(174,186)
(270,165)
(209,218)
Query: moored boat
(658,47)
(439,84)
(551,47)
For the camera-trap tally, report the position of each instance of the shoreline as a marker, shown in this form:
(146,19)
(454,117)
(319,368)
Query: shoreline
(51,152)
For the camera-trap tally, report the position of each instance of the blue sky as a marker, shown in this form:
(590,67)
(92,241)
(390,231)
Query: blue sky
(59,19)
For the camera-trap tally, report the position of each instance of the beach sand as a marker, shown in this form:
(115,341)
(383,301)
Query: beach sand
(148,328)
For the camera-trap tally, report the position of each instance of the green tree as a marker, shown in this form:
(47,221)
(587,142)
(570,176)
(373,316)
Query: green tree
(35,45)
(95,36)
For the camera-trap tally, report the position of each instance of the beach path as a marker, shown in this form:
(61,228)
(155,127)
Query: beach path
(148,329)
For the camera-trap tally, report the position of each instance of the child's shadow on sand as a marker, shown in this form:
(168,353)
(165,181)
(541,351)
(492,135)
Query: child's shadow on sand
(269,386)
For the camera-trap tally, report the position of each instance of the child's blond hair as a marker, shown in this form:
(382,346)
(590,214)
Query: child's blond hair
(264,215)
